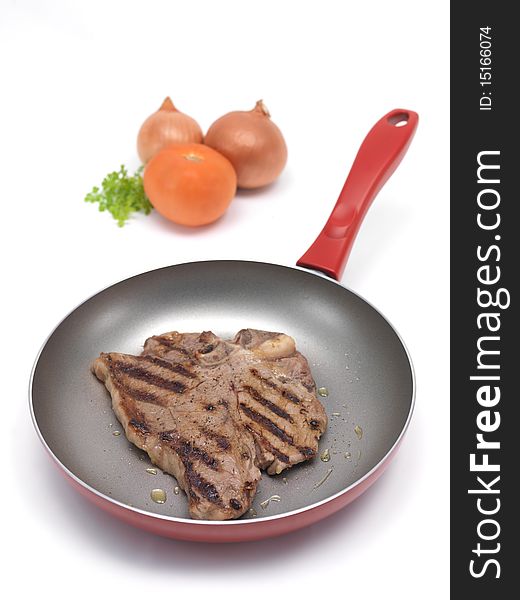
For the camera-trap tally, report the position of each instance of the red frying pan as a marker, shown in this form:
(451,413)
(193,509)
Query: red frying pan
(353,351)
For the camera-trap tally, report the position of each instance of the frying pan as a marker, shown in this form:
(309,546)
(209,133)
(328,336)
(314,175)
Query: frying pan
(352,349)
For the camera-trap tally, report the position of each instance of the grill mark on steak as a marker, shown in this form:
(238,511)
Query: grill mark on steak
(204,487)
(267,445)
(140,426)
(275,430)
(187,450)
(277,410)
(136,372)
(222,441)
(263,379)
(307,452)
(290,396)
(266,424)
(170,366)
(145,396)
(285,393)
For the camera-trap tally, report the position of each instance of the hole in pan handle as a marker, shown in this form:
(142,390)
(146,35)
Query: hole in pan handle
(378,157)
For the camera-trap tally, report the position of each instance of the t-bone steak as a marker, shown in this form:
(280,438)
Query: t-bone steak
(213,412)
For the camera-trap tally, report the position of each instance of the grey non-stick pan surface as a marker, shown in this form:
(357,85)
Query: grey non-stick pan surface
(352,349)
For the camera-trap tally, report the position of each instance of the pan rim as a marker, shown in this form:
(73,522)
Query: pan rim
(235,522)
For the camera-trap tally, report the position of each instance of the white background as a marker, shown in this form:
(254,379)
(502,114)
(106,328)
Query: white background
(77,80)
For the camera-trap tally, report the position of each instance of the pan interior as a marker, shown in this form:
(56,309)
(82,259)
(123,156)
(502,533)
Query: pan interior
(353,351)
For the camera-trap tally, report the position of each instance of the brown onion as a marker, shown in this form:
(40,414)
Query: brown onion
(166,126)
(252,143)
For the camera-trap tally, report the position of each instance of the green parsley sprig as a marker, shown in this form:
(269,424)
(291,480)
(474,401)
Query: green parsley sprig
(121,195)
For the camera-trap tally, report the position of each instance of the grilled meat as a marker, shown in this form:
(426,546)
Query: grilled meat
(212,412)
(275,392)
(182,420)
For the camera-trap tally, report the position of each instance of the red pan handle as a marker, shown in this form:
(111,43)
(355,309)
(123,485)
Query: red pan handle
(379,155)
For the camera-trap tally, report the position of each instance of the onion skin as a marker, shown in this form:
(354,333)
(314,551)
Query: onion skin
(164,127)
(252,143)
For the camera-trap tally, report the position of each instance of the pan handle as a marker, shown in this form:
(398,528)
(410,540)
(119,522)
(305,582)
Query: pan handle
(379,155)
